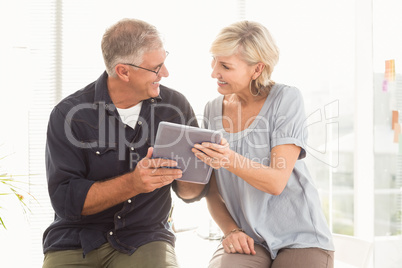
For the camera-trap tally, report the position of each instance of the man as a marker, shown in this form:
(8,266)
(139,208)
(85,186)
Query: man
(111,199)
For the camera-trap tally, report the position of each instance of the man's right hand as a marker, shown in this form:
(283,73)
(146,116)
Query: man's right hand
(146,177)
(149,174)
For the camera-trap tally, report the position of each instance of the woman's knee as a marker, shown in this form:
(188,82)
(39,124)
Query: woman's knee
(221,259)
(304,258)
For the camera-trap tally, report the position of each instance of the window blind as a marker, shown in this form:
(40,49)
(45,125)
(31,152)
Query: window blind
(45,47)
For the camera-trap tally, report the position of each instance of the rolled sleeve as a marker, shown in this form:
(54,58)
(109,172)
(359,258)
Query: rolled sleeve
(65,167)
(290,121)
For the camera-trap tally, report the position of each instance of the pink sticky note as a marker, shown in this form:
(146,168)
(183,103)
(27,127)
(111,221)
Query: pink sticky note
(385,86)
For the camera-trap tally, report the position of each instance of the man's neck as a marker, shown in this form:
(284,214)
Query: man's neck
(122,96)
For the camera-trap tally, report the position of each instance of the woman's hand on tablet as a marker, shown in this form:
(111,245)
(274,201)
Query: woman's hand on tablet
(213,154)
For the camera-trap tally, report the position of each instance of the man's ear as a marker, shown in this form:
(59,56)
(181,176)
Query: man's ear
(122,72)
(259,67)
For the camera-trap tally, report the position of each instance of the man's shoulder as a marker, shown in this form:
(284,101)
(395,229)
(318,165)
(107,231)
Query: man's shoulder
(168,95)
(82,97)
(173,106)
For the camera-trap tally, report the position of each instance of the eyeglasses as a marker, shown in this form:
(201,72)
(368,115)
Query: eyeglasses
(156,71)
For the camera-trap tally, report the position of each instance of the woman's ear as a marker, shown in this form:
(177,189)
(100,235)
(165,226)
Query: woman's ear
(122,72)
(259,67)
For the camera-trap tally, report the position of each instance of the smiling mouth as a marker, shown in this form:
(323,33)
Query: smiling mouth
(222,82)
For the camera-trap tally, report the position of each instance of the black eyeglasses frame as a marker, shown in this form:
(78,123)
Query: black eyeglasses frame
(159,67)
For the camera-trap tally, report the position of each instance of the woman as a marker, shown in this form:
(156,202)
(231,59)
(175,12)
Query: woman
(261,193)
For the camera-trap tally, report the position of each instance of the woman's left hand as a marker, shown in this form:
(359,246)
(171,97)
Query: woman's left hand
(214,155)
(239,242)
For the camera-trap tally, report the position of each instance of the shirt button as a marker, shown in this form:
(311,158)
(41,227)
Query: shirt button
(132,148)
(152,100)
(111,233)
(97,152)
(140,123)
(125,126)
(129,201)
(119,217)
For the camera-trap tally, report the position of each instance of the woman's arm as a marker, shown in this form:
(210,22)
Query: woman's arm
(271,179)
(240,241)
(189,190)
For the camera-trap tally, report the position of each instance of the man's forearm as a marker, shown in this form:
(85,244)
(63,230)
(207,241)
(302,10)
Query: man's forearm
(105,194)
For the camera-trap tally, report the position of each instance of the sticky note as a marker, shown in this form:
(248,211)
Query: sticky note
(389,70)
(397,131)
(395,118)
(385,86)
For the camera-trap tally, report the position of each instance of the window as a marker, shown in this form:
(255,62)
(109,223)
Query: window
(317,56)
(387,45)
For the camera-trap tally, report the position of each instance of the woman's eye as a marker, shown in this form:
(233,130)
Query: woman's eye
(224,66)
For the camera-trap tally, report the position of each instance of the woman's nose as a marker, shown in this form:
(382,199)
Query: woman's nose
(214,73)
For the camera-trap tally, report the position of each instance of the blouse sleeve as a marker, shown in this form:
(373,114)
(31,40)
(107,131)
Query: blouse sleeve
(289,120)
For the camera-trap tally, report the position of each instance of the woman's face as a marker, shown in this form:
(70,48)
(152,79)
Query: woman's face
(233,74)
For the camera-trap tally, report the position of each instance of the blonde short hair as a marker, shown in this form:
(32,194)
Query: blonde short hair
(127,41)
(253,43)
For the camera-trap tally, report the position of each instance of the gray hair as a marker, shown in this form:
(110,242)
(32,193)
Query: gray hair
(127,41)
(254,44)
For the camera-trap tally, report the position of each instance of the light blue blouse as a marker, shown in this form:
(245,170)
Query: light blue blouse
(294,218)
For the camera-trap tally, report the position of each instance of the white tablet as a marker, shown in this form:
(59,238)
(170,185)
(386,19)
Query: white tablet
(175,141)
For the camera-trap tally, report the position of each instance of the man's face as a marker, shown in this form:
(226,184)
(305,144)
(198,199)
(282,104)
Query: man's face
(144,82)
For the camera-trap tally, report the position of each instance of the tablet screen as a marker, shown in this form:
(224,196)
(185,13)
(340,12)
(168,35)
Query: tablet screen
(175,141)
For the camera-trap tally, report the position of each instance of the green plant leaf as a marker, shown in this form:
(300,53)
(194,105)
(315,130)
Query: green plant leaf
(2,223)
(13,184)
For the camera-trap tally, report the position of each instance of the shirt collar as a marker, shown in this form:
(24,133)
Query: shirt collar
(102,93)
(156,99)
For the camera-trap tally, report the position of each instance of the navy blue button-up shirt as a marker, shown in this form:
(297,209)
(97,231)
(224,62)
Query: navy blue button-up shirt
(88,142)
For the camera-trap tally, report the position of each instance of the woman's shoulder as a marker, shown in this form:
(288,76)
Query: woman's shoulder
(283,89)
(285,93)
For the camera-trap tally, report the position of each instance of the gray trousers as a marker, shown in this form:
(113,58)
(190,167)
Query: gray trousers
(287,258)
(158,254)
